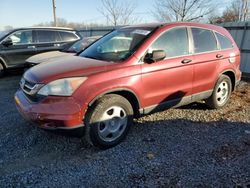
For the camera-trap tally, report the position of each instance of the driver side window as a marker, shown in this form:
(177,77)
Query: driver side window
(21,37)
(174,42)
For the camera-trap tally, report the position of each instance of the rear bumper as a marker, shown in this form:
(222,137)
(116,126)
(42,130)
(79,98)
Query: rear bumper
(51,113)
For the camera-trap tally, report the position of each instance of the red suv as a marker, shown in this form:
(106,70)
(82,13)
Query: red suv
(129,72)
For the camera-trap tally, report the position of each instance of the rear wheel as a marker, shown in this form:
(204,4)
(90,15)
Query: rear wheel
(221,94)
(108,121)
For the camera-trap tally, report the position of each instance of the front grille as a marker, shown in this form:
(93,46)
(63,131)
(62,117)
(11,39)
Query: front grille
(30,90)
(28,86)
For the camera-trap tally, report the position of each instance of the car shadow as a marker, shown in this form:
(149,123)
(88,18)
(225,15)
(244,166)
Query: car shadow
(195,106)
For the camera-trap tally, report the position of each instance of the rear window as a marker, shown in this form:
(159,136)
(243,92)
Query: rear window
(47,36)
(204,40)
(225,42)
(67,36)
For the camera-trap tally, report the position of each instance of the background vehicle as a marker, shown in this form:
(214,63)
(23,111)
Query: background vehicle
(148,68)
(71,50)
(18,44)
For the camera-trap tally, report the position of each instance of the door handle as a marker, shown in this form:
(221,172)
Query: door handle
(219,56)
(31,47)
(186,61)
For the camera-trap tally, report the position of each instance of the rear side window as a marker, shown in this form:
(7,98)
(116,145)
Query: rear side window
(174,42)
(225,43)
(67,36)
(47,36)
(204,40)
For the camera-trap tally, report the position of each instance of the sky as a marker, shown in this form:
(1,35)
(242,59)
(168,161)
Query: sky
(23,13)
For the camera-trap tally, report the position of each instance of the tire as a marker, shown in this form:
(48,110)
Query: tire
(221,93)
(1,70)
(108,121)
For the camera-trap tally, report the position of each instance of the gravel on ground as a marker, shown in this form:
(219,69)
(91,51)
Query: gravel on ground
(191,146)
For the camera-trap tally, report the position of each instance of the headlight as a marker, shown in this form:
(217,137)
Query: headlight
(62,87)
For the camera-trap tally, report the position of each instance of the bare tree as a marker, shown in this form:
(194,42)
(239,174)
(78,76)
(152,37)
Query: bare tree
(61,22)
(228,15)
(241,8)
(8,27)
(118,12)
(182,10)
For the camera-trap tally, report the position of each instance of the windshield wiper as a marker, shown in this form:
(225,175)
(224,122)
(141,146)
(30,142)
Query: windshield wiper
(90,57)
(70,51)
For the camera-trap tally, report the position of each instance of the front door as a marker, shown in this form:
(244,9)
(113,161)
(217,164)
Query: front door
(168,81)
(22,47)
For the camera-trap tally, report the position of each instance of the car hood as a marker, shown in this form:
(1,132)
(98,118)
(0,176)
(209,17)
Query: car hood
(70,66)
(43,57)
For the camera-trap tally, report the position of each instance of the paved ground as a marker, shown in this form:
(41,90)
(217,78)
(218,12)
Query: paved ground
(186,147)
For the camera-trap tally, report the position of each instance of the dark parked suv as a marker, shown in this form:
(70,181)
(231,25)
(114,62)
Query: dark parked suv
(18,44)
(132,71)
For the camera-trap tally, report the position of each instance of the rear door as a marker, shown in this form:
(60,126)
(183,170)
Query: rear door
(51,40)
(23,47)
(47,40)
(206,61)
(169,81)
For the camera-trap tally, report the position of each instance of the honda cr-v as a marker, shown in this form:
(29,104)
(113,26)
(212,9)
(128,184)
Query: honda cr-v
(129,72)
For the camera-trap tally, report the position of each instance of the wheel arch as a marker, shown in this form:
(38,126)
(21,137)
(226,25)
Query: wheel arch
(130,95)
(3,63)
(231,75)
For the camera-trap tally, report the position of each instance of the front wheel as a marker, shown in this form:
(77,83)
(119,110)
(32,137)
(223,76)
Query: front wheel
(221,94)
(108,121)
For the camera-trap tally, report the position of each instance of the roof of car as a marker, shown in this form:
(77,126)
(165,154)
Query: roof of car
(149,25)
(176,24)
(9,31)
(154,25)
(38,27)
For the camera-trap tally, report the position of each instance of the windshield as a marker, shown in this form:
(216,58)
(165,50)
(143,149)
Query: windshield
(76,47)
(117,45)
(81,44)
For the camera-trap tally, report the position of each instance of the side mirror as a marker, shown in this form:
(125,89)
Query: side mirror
(155,56)
(7,42)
